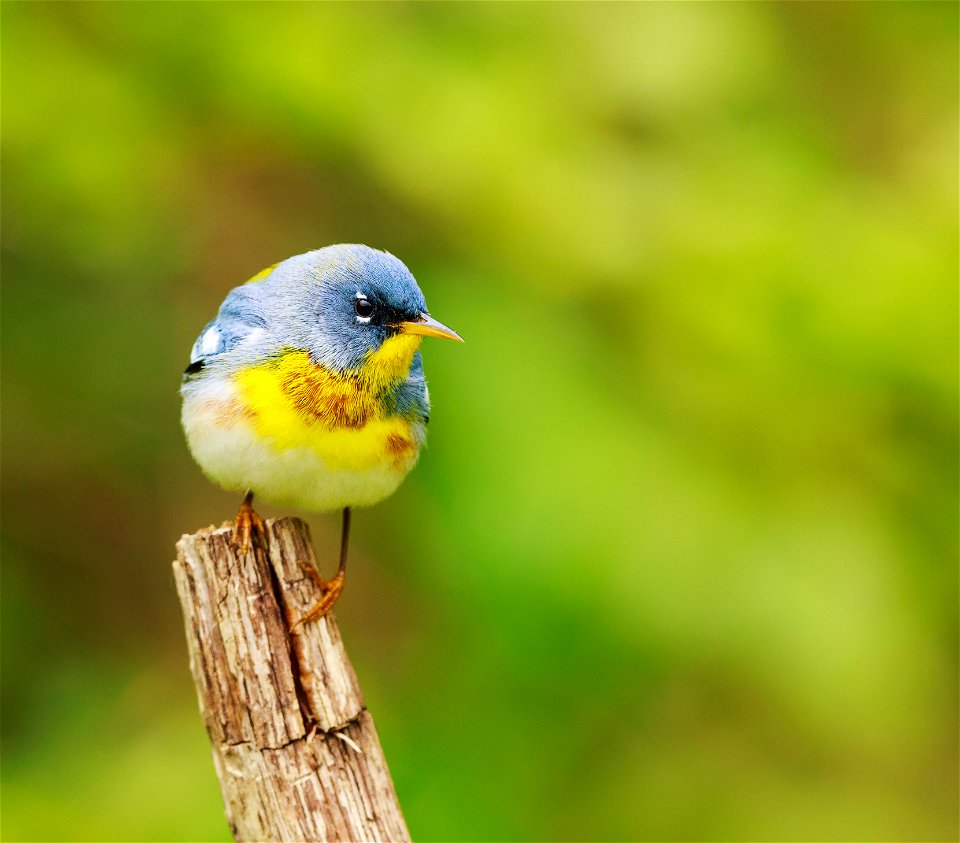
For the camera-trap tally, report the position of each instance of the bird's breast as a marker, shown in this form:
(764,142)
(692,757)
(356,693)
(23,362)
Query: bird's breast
(344,417)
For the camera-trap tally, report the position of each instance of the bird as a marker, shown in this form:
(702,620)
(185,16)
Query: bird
(307,390)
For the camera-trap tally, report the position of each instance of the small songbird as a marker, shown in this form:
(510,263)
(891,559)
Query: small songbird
(307,389)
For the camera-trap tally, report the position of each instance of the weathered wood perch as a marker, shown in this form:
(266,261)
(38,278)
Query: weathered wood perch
(295,749)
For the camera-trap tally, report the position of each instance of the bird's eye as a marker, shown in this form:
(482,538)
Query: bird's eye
(364,308)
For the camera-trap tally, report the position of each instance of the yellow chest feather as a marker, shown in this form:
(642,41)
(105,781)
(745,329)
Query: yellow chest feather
(294,403)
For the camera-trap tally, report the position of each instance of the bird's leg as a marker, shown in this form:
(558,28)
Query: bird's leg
(248,529)
(329,589)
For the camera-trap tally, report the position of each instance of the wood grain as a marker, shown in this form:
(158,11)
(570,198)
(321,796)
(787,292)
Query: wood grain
(295,749)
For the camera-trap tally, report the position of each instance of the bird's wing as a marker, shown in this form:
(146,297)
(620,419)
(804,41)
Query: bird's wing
(240,315)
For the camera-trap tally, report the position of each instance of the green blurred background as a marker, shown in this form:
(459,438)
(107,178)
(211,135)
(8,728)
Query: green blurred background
(680,562)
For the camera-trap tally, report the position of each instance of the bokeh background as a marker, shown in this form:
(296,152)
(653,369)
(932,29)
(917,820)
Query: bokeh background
(680,562)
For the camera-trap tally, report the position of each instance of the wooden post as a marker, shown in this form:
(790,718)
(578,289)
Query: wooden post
(295,749)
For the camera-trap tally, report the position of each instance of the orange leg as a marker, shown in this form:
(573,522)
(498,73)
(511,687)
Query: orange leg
(329,589)
(248,529)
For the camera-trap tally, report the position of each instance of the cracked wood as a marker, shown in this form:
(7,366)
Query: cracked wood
(295,750)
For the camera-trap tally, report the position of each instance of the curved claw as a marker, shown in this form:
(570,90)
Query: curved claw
(330,591)
(248,528)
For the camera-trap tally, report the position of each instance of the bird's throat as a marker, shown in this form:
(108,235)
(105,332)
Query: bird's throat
(388,365)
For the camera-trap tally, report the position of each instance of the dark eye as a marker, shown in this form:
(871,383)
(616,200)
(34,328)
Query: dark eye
(364,308)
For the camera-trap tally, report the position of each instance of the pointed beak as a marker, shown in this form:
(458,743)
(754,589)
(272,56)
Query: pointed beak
(427,326)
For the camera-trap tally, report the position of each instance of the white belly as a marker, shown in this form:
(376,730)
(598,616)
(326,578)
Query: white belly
(231,453)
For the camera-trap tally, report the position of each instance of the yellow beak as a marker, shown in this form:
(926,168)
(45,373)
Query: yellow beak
(427,326)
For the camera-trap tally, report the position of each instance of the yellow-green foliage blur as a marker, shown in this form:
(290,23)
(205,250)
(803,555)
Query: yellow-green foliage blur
(680,561)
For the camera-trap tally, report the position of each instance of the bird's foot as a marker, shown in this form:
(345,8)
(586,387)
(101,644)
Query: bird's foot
(329,594)
(248,529)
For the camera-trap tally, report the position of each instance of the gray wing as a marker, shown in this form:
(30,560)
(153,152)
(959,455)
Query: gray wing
(239,315)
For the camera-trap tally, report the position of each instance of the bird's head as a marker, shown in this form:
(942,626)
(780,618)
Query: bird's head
(355,308)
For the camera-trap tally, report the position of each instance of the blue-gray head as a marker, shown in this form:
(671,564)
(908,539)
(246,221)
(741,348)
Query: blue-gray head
(343,302)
